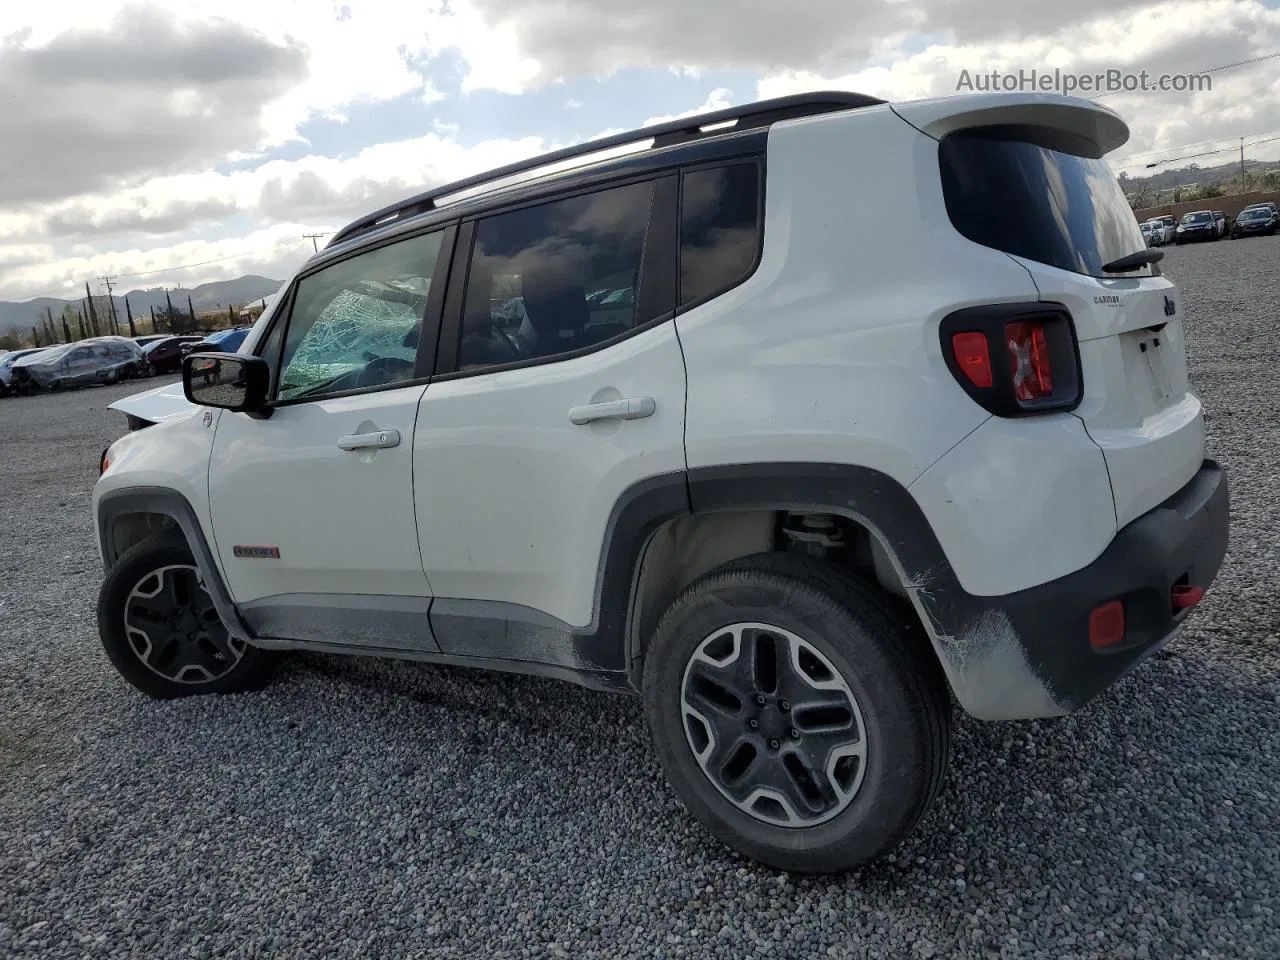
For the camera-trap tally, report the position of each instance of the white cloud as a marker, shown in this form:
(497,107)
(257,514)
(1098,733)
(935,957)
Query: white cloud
(718,99)
(1172,37)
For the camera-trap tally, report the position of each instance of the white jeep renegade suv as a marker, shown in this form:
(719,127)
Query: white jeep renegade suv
(669,421)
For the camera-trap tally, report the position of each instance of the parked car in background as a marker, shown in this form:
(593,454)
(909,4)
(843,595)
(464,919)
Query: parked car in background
(224,341)
(1161,232)
(1196,226)
(1255,221)
(1148,233)
(1264,205)
(6,367)
(100,360)
(1170,223)
(165,355)
(149,338)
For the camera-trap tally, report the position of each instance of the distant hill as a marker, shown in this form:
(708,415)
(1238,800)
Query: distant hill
(208,296)
(1262,174)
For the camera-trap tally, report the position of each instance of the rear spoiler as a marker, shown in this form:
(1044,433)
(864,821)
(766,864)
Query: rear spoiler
(1072,124)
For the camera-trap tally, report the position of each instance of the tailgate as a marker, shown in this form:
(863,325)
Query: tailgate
(1138,405)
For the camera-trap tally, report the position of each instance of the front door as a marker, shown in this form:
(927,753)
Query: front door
(312,508)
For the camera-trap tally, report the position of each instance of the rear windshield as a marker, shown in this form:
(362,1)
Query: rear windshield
(1033,202)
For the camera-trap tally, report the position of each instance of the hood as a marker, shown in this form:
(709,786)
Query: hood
(157,404)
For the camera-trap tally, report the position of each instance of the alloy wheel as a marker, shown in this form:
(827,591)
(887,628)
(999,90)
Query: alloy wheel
(773,725)
(175,631)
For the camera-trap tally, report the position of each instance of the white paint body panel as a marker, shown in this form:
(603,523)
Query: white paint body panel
(343,520)
(158,404)
(513,499)
(172,455)
(1018,496)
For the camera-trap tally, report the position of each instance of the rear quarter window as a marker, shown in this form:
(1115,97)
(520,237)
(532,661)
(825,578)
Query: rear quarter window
(719,229)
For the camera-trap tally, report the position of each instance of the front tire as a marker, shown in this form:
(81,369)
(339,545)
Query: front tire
(802,721)
(158,626)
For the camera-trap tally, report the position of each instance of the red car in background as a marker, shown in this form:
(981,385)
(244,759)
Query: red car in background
(165,356)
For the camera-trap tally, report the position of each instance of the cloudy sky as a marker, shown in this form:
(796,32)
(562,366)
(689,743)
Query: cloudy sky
(141,137)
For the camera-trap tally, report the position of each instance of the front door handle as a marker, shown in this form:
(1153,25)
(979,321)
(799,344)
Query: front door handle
(631,408)
(378,440)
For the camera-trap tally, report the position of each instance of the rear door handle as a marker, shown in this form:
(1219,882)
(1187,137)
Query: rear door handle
(631,408)
(370,441)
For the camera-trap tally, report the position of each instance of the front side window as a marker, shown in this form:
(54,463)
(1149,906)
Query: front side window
(555,278)
(1034,202)
(719,229)
(356,324)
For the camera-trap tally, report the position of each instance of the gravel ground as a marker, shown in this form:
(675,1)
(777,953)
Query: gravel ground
(366,808)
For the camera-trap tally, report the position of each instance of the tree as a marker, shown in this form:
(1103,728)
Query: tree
(171,319)
(133,330)
(10,342)
(93,314)
(195,324)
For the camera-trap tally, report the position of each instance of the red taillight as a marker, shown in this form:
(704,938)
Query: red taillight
(1106,625)
(1029,360)
(1014,359)
(970,350)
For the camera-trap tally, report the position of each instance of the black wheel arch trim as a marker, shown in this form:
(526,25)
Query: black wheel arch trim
(170,503)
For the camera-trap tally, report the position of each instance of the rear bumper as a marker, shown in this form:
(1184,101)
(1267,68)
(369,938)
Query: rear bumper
(1001,643)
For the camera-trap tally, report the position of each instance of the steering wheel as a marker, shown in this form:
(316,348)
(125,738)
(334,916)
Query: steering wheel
(385,370)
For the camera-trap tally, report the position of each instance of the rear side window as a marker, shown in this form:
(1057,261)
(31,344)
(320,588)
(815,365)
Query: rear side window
(1030,201)
(555,278)
(719,229)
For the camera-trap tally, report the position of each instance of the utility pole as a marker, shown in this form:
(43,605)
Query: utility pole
(313,237)
(115,321)
(1243,187)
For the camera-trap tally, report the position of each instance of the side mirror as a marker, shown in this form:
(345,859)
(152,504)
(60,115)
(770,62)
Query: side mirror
(228,381)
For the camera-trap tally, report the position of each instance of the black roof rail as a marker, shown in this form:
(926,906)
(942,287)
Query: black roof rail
(758,114)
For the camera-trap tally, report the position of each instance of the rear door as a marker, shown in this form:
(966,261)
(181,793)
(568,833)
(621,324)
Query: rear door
(542,419)
(1064,218)
(313,508)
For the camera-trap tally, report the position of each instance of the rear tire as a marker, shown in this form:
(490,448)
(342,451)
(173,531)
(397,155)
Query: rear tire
(160,631)
(801,721)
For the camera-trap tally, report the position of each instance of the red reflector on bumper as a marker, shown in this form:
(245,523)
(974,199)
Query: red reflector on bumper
(1185,597)
(1106,625)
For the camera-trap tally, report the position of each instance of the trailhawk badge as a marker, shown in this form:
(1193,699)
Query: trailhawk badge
(256,553)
